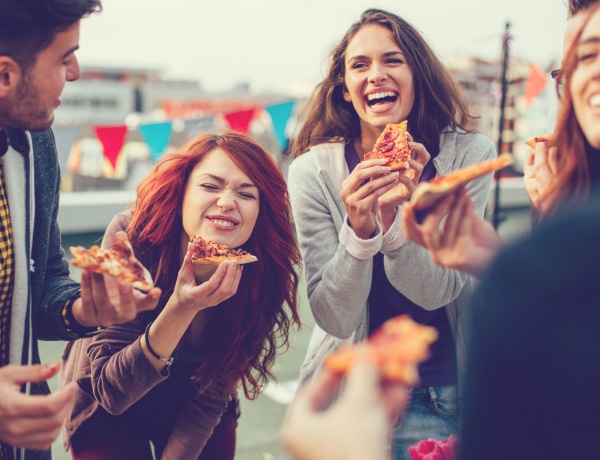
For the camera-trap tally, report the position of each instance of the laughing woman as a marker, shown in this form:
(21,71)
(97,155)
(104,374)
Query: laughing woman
(169,378)
(360,267)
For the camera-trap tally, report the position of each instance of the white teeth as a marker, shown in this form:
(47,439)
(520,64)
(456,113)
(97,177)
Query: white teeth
(372,96)
(222,223)
(595,100)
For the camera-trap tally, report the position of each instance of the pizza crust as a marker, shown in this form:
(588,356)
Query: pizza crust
(119,261)
(428,193)
(216,260)
(547,138)
(208,252)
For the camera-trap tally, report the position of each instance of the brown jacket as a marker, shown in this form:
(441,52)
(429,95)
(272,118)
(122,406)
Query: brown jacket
(113,372)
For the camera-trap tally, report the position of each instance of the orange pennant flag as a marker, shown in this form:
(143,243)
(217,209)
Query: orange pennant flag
(536,81)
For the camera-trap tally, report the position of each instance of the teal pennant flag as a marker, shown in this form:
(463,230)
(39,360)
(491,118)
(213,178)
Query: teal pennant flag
(157,137)
(280,114)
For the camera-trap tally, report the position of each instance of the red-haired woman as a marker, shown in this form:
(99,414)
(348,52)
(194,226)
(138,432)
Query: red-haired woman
(169,378)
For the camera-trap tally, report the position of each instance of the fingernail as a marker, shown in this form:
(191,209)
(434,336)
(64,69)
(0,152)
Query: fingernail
(51,367)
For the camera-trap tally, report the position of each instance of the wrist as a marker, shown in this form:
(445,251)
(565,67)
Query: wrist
(71,323)
(167,362)
(387,217)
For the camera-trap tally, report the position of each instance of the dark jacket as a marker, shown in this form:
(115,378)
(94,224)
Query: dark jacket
(42,282)
(533,380)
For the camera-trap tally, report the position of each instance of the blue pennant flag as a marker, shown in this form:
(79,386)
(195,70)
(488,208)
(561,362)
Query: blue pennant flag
(157,136)
(280,115)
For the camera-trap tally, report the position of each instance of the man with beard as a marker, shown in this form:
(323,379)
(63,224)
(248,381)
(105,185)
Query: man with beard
(38,299)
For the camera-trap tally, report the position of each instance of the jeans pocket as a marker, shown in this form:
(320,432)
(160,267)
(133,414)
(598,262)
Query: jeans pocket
(445,401)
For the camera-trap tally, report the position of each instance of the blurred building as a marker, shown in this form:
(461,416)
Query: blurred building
(481,81)
(116,95)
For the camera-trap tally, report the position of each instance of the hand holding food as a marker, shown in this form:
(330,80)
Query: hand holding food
(392,145)
(396,349)
(211,253)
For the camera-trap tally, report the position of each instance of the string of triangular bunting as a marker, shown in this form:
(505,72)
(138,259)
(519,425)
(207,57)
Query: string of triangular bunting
(157,135)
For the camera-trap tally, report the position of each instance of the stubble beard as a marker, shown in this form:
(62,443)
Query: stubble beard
(24,110)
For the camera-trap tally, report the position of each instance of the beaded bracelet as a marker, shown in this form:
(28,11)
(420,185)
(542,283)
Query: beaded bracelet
(167,362)
(71,323)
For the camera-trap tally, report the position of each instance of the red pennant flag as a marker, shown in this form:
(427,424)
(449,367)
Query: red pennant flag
(112,139)
(240,121)
(536,81)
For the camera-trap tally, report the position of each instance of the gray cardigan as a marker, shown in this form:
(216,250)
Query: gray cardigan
(338,265)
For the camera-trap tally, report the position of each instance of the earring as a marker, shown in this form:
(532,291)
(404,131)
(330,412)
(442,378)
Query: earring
(347,97)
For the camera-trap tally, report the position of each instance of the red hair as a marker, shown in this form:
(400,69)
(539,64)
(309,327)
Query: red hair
(573,180)
(243,335)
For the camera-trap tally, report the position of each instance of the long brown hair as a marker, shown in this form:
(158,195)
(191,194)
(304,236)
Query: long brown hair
(573,180)
(438,100)
(243,335)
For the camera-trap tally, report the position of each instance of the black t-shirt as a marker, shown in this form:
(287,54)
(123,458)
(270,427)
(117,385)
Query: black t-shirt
(385,302)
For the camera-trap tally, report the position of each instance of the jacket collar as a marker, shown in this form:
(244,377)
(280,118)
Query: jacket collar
(17,138)
(3,143)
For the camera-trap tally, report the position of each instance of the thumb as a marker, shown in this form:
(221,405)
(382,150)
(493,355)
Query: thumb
(64,396)
(363,383)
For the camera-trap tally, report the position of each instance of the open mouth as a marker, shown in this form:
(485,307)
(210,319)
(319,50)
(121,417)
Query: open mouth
(381,98)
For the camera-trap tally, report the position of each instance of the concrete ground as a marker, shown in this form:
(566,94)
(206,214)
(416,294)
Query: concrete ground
(260,423)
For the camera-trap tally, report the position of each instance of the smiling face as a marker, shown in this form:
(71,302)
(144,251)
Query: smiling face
(220,203)
(31,104)
(585,81)
(378,80)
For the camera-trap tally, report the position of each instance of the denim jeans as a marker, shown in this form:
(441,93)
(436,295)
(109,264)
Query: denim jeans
(432,413)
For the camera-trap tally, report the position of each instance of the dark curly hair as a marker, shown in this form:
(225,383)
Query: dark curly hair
(27,27)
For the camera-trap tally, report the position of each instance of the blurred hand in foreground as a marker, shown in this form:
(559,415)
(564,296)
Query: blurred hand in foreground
(357,425)
(454,234)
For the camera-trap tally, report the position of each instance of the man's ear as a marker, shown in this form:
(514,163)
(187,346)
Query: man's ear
(10,75)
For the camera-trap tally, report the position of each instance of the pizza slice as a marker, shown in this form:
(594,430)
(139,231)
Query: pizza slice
(547,138)
(428,193)
(392,144)
(119,261)
(211,253)
(396,348)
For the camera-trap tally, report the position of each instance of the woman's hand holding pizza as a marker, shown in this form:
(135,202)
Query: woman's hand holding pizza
(194,297)
(407,182)
(463,241)
(540,169)
(361,191)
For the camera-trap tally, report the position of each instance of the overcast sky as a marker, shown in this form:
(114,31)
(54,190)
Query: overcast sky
(282,43)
